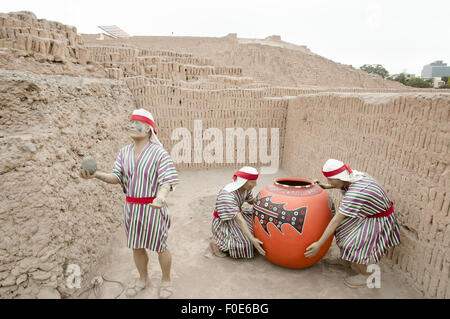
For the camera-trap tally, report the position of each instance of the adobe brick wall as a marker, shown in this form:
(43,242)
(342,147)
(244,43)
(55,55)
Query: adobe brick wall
(23,31)
(402,140)
(177,107)
(282,64)
(49,216)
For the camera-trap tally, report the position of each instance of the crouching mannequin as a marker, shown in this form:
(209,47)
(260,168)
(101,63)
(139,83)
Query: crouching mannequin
(231,226)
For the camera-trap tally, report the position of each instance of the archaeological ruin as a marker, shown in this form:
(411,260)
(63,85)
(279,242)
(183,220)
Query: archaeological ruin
(67,95)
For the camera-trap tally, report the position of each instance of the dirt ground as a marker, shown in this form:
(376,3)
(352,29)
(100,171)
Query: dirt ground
(196,273)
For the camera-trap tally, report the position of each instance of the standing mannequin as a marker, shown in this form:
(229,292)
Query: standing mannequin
(147,174)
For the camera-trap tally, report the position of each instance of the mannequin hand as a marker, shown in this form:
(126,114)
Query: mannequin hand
(160,199)
(258,245)
(324,186)
(85,174)
(312,249)
(157,203)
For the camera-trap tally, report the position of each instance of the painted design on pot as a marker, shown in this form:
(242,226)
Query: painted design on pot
(267,211)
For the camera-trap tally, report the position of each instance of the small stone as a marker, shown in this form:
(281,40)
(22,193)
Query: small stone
(33,230)
(40,275)
(4,275)
(27,263)
(4,267)
(22,278)
(89,164)
(30,147)
(45,257)
(46,266)
(48,293)
(17,271)
(9,281)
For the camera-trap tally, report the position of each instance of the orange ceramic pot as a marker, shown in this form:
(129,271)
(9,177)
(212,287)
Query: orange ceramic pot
(289,216)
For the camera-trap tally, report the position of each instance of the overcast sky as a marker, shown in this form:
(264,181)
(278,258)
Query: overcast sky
(401,35)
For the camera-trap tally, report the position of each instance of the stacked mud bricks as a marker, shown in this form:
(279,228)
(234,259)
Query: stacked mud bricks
(402,140)
(179,89)
(156,64)
(178,107)
(47,40)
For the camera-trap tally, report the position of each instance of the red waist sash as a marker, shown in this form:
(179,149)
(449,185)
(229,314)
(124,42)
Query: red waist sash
(385,213)
(217,215)
(140,200)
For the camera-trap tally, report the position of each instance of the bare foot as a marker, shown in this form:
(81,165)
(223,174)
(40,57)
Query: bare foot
(215,249)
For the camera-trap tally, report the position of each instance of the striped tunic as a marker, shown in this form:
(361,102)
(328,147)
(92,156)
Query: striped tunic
(226,231)
(145,227)
(365,240)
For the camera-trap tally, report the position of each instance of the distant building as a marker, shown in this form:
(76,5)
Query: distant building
(435,69)
(438,83)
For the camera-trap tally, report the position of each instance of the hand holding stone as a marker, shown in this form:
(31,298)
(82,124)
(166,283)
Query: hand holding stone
(89,167)
(85,174)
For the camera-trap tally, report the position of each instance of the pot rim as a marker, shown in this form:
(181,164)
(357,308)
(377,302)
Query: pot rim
(293,179)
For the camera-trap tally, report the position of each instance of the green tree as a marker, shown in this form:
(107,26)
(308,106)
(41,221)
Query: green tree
(375,69)
(400,78)
(446,80)
(420,83)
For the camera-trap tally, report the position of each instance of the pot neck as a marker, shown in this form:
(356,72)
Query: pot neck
(294,183)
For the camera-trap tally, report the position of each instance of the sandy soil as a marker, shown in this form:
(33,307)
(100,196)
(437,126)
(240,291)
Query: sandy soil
(196,273)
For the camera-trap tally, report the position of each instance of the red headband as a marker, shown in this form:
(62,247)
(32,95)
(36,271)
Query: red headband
(143,119)
(247,176)
(337,171)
